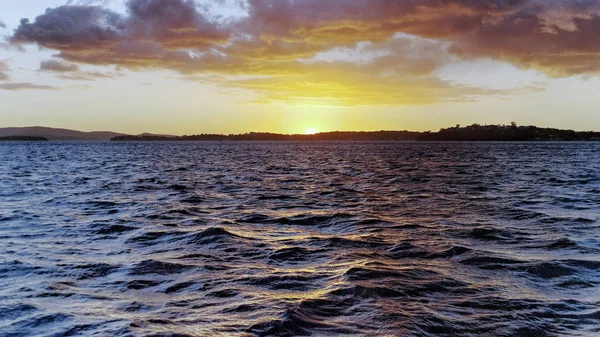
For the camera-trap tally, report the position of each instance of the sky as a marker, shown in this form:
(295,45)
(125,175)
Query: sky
(288,66)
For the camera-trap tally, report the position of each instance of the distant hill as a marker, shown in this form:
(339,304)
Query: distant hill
(146,134)
(57,134)
(23,138)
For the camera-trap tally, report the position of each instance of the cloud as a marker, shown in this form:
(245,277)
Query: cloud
(25,86)
(72,28)
(70,71)
(170,23)
(81,86)
(58,66)
(3,69)
(89,2)
(277,48)
(556,37)
(88,76)
(346,84)
(527,40)
(2,24)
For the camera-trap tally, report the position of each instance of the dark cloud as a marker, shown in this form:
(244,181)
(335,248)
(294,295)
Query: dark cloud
(527,40)
(2,24)
(170,23)
(557,37)
(407,41)
(25,86)
(72,28)
(341,21)
(553,35)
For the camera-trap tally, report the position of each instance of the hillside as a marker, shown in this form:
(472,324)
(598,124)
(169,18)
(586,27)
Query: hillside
(57,134)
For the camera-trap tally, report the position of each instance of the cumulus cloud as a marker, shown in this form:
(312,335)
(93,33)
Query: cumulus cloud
(25,86)
(276,49)
(527,40)
(170,23)
(72,28)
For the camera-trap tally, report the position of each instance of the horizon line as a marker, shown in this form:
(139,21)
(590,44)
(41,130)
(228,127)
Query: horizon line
(278,133)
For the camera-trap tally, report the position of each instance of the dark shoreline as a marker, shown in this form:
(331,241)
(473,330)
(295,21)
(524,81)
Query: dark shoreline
(23,139)
(475,132)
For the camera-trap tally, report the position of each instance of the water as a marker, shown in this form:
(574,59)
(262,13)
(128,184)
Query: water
(300,239)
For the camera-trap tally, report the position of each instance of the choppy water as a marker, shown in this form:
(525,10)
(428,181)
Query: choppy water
(299,239)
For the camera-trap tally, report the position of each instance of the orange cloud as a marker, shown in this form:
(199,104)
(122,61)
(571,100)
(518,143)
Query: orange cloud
(274,50)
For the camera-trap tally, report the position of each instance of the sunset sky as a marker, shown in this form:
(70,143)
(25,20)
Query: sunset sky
(233,66)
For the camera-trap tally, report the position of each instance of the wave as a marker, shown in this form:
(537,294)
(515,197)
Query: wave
(289,239)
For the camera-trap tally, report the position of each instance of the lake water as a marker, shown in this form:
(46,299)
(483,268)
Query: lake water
(299,239)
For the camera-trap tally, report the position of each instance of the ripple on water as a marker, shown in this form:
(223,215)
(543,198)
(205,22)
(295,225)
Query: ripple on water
(300,239)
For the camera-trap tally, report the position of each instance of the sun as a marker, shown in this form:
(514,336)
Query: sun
(310,131)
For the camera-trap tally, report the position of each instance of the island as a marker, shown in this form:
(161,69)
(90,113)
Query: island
(23,139)
(474,132)
(512,133)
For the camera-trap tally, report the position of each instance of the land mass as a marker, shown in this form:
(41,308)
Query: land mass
(265,136)
(473,132)
(61,134)
(512,132)
(23,139)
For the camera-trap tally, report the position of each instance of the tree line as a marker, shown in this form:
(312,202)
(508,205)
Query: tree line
(474,132)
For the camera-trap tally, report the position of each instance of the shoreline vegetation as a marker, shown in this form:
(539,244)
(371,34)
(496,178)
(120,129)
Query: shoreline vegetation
(474,132)
(23,139)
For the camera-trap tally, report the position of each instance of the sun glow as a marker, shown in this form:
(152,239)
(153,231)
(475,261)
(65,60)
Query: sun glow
(310,131)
